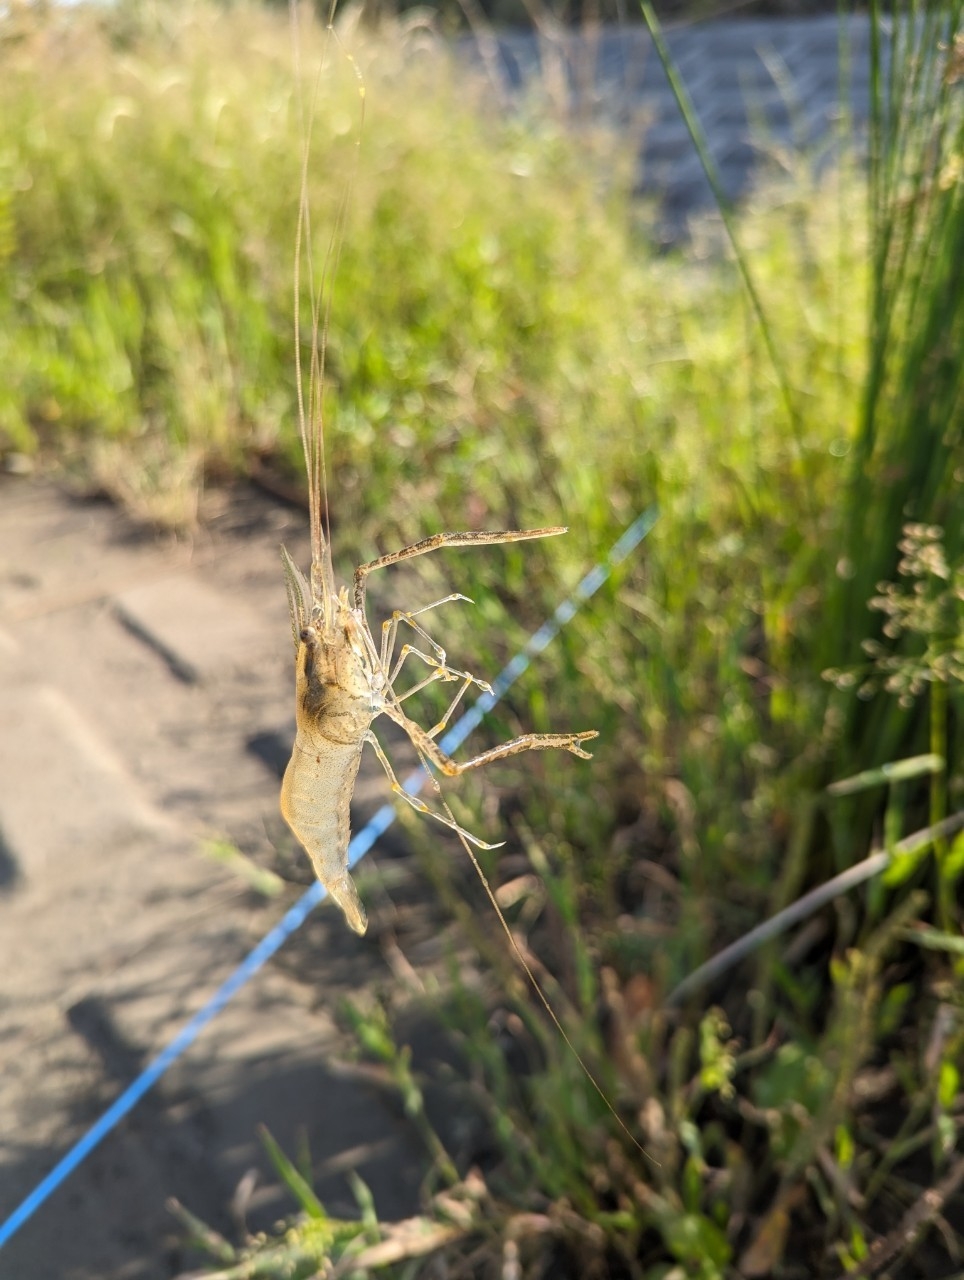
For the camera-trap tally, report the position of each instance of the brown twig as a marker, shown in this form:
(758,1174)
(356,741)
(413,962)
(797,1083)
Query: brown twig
(905,1234)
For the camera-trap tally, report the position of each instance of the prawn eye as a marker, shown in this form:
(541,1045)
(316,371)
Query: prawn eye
(308,636)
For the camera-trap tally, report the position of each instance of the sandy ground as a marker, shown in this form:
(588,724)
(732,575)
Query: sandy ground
(145,707)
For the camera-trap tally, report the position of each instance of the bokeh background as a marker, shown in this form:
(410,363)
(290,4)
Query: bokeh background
(524,331)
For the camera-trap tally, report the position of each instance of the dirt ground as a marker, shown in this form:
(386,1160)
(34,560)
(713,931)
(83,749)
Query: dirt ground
(146,708)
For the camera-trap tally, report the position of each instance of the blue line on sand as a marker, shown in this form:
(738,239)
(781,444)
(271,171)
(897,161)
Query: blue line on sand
(295,917)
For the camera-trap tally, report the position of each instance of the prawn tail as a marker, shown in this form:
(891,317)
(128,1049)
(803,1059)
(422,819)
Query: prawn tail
(344,893)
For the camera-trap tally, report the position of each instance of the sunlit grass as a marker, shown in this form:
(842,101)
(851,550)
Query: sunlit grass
(507,349)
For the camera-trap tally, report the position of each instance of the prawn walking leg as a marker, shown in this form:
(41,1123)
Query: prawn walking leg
(426,743)
(419,805)
(390,630)
(438,540)
(467,682)
(424,740)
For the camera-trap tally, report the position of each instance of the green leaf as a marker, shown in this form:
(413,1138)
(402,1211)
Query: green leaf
(949,1084)
(898,771)
(289,1175)
(693,1238)
(366,1203)
(934,939)
(845,1147)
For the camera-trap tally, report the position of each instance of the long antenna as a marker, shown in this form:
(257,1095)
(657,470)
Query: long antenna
(311,423)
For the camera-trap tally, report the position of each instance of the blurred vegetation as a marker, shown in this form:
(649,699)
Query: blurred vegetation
(541,15)
(507,350)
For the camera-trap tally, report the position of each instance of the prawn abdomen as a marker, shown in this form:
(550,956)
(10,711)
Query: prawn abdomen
(315,802)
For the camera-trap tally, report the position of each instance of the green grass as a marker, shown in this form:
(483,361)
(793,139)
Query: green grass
(504,341)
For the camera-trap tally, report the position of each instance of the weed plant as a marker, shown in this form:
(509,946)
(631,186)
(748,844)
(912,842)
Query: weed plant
(505,349)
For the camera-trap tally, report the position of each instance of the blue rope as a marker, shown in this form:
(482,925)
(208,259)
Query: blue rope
(295,917)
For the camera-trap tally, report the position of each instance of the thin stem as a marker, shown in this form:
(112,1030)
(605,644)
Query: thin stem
(808,904)
(701,146)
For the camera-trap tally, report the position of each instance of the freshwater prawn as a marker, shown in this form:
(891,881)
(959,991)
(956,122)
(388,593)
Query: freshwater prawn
(344,679)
